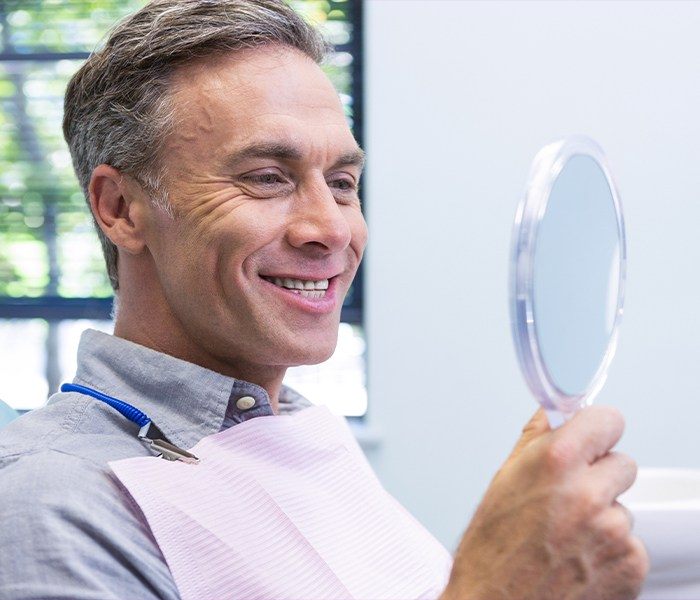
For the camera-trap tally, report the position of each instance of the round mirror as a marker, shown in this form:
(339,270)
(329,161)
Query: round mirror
(567,275)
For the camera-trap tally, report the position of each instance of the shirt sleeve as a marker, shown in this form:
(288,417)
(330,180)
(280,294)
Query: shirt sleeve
(69,532)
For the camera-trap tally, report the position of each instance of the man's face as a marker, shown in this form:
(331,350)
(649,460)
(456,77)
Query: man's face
(262,173)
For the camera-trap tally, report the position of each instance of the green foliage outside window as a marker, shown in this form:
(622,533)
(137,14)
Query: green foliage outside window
(47,243)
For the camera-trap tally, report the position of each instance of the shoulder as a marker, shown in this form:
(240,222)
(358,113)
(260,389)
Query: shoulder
(63,450)
(51,478)
(72,528)
(64,497)
(71,424)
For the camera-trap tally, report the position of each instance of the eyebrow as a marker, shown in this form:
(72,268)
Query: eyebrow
(356,158)
(287,152)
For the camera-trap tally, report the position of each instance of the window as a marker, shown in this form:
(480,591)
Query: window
(52,278)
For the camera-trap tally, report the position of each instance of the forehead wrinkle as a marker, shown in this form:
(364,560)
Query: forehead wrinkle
(232,98)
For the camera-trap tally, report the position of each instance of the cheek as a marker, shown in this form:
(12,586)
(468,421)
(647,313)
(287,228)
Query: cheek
(187,254)
(358,226)
(245,236)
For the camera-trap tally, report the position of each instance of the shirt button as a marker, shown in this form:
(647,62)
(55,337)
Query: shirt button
(245,402)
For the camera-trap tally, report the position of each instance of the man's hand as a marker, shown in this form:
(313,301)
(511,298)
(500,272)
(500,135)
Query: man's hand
(549,526)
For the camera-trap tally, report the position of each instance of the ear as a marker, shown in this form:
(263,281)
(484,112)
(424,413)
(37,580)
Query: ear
(118,209)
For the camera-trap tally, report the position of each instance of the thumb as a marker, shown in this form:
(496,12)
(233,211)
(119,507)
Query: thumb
(535,427)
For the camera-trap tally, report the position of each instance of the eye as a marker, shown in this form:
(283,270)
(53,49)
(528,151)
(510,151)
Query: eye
(267,183)
(343,184)
(265,178)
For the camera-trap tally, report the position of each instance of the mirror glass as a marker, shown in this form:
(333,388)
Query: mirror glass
(567,275)
(576,274)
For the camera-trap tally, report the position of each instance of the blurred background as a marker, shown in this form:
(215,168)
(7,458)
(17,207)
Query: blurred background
(451,99)
(53,282)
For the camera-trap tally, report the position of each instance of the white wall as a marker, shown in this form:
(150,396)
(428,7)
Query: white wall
(460,96)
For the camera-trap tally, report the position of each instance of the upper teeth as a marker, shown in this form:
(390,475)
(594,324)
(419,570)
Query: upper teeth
(299,284)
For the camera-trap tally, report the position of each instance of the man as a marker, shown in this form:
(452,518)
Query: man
(223,180)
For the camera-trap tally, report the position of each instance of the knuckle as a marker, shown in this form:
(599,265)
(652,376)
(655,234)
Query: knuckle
(615,419)
(590,503)
(627,463)
(559,454)
(616,528)
(609,413)
(609,416)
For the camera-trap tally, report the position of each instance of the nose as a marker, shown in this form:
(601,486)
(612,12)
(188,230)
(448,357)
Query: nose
(317,221)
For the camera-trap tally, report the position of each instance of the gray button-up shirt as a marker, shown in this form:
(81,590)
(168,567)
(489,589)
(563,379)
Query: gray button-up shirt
(68,530)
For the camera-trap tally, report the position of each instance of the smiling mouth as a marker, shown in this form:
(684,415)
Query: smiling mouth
(304,287)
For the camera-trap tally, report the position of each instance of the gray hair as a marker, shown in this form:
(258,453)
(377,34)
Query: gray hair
(118,107)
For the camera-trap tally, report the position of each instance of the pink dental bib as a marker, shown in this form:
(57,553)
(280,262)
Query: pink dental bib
(283,507)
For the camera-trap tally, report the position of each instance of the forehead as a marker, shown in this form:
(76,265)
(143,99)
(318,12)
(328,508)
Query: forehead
(273,92)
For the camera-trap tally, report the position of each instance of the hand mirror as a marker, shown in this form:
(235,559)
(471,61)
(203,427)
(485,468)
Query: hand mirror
(567,276)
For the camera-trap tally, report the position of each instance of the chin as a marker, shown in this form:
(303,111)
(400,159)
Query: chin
(311,355)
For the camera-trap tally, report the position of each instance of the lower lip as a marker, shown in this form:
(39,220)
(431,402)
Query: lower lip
(317,306)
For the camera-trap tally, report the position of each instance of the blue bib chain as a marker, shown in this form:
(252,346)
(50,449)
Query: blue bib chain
(149,433)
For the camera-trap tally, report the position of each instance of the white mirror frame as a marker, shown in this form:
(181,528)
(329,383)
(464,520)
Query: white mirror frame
(546,167)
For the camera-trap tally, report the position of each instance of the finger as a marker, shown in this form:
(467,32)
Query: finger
(613,474)
(629,515)
(612,528)
(622,577)
(535,427)
(592,432)
(641,557)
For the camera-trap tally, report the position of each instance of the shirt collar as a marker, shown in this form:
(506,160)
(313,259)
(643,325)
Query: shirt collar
(185,401)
